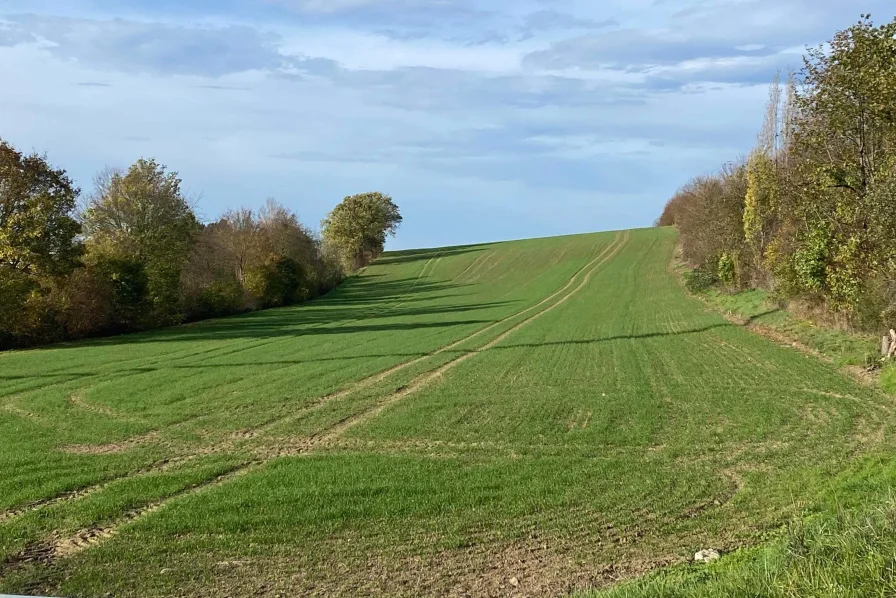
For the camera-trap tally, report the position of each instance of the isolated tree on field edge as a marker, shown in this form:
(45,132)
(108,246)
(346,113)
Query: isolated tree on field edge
(357,228)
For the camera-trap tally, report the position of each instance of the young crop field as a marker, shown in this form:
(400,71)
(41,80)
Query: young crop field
(527,418)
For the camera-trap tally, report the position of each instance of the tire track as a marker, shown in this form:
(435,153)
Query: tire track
(474,265)
(49,551)
(112,447)
(71,495)
(365,383)
(480,265)
(381,376)
(25,414)
(77,401)
(421,381)
(240,346)
(501,257)
(149,437)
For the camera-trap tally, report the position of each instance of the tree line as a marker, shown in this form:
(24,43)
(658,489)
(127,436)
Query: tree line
(132,255)
(810,214)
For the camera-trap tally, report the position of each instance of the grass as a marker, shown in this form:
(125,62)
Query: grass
(547,415)
(888,379)
(840,549)
(842,347)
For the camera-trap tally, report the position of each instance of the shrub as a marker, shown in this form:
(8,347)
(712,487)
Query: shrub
(279,281)
(700,279)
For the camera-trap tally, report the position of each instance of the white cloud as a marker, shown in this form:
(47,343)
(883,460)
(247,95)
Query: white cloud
(360,50)
(310,101)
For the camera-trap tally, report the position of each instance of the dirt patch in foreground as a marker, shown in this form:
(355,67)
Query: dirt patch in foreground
(525,568)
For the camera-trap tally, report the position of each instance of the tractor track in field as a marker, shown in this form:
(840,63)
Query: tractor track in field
(77,400)
(735,484)
(49,552)
(360,385)
(112,447)
(251,433)
(575,513)
(160,466)
(336,430)
(483,270)
(479,264)
(473,264)
(24,414)
(872,430)
(374,379)
(224,351)
(151,436)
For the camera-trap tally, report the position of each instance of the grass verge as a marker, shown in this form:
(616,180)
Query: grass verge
(844,545)
(845,548)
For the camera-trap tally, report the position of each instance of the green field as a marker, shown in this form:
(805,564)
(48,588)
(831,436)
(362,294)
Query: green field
(534,418)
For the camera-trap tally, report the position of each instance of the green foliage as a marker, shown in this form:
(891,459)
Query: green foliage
(709,212)
(760,205)
(811,259)
(279,281)
(85,303)
(269,256)
(128,283)
(37,244)
(146,261)
(37,203)
(141,215)
(16,287)
(700,279)
(359,225)
(819,208)
(727,269)
(221,297)
(848,118)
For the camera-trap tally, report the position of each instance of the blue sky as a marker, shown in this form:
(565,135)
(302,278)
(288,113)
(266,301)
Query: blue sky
(484,119)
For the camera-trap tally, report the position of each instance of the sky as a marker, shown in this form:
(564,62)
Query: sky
(485,120)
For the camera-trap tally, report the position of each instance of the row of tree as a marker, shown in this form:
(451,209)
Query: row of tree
(133,255)
(811,212)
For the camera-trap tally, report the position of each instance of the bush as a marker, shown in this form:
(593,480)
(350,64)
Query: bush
(84,304)
(700,279)
(128,285)
(220,298)
(145,261)
(279,281)
(727,269)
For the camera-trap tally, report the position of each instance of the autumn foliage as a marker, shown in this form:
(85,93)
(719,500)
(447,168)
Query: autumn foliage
(811,212)
(135,257)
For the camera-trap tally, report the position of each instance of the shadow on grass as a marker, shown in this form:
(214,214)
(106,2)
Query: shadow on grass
(414,255)
(406,355)
(359,298)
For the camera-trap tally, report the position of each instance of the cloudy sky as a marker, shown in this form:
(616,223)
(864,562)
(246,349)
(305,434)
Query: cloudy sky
(484,119)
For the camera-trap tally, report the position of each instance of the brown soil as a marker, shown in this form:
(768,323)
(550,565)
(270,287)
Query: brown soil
(112,447)
(78,401)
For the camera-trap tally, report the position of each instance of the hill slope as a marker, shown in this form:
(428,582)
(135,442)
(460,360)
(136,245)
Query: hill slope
(537,417)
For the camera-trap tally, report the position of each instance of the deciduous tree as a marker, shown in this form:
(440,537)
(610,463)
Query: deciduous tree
(37,224)
(141,216)
(359,225)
